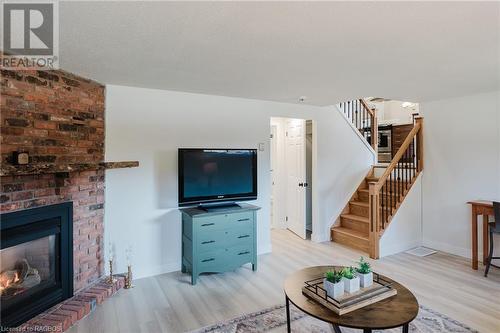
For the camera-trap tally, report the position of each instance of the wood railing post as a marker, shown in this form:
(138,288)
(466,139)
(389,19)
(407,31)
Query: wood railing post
(420,143)
(374,218)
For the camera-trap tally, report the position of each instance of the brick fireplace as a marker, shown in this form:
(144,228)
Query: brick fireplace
(58,119)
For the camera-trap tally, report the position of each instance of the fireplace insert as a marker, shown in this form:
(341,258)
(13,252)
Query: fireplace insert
(36,261)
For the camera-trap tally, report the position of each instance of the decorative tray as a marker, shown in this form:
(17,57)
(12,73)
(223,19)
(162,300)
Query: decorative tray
(379,290)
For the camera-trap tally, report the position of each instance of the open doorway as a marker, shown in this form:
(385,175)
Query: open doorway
(291,175)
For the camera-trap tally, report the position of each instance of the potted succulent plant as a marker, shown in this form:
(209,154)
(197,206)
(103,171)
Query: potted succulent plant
(351,280)
(333,284)
(365,273)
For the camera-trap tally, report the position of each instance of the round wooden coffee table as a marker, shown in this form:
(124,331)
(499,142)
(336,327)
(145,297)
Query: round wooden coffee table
(396,311)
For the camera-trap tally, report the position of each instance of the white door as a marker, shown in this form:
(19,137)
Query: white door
(274,152)
(295,151)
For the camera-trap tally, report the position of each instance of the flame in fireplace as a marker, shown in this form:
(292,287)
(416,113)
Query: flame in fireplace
(5,281)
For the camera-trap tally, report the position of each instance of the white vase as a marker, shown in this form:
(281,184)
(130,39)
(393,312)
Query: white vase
(351,285)
(366,280)
(334,290)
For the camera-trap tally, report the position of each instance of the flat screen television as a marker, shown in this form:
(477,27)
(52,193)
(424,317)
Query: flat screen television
(217,175)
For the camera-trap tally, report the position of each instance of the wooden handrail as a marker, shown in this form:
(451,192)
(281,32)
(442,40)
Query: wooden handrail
(397,157)
(367,107)
(388,192)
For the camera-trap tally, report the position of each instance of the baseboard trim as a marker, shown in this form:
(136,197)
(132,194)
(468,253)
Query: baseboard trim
(176,266)
(399,247)
(319,238)
(456,250)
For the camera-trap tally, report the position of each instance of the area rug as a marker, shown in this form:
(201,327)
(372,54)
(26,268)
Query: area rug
(273,320)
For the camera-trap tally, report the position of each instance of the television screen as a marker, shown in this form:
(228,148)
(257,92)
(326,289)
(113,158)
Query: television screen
(211,175)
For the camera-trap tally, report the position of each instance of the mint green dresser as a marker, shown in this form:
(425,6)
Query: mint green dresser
(218,241)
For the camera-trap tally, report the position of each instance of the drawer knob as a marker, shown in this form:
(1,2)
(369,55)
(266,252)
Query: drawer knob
(242,253)
(207,224)
(208,242)
(241,220)
(245,236)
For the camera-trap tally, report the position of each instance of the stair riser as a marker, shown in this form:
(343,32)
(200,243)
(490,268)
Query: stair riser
(363,196)
(349,241)
(355,225)
(359,210)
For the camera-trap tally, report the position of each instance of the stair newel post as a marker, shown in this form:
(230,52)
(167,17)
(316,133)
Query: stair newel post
(374,216)
(420,143)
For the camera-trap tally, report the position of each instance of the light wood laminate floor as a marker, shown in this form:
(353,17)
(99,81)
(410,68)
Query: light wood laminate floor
(168,302)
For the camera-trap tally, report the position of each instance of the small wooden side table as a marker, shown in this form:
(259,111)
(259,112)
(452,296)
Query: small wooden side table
(484,208)
(396,311)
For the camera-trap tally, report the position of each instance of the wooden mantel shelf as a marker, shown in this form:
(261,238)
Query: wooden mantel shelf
(35,169)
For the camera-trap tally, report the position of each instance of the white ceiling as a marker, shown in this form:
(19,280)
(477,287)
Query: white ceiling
(327,51)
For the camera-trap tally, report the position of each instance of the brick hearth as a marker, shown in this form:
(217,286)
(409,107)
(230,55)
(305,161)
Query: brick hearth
(58,118)
(65,314)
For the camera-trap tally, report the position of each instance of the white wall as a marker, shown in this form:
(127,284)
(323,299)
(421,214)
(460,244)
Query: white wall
(149,125)
(405,232)
(462,163)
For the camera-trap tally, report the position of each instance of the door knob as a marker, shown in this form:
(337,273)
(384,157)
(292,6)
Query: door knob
(301,184)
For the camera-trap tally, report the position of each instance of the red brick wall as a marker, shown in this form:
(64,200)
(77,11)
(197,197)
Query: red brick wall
(57,118)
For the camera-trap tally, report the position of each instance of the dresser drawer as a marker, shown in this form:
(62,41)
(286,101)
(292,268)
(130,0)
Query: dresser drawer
(211,261)
(209,241)
(240,219)
(223,221)
(225,259)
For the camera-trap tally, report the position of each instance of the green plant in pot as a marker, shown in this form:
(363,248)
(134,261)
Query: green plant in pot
(333,283)
(351,280)
(365,273)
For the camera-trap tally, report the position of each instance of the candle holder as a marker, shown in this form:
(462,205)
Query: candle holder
(128,278)
(111,278)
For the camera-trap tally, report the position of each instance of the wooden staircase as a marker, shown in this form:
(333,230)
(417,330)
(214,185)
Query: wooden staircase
(379,196)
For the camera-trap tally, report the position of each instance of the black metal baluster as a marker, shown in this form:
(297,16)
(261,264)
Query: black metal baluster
(383,203)
(414,155)
(390,192)
(400,176)
(398,182)
(406,164)
(408,167)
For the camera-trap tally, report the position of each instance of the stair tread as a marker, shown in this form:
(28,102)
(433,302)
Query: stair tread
(355,217)
(351,232)
(360,203)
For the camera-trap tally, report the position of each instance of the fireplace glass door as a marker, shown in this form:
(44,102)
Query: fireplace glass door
(36,262)
(26,269)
